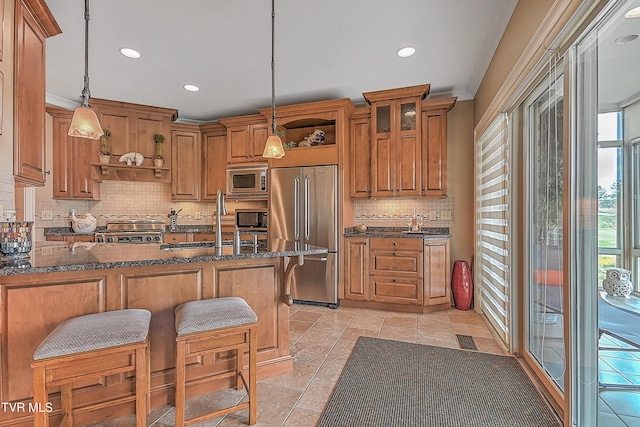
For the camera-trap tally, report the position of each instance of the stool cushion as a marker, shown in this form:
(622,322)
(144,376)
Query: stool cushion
(95,332)
(211,314)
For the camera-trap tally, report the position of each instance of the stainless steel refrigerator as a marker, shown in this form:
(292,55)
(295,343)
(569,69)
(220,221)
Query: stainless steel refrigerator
(304,208)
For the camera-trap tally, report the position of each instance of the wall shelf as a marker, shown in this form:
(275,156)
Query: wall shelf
(111,171)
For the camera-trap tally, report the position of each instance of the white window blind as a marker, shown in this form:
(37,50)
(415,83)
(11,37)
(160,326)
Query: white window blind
(492,272)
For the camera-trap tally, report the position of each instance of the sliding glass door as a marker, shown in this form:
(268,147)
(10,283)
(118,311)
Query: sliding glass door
(544,296)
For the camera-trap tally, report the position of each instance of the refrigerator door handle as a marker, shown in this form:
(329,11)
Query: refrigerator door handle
(296,204)
(306,207)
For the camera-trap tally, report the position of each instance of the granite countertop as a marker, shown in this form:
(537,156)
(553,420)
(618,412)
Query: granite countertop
(399,232)
(50,257)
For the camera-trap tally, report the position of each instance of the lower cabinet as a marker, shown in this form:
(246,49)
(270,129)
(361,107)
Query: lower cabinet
(407,274)
(34,304)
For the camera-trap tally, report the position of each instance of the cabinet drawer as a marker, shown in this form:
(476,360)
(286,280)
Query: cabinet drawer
(204,237)
(175,237)
(397,263)
(398,291)
(396,244)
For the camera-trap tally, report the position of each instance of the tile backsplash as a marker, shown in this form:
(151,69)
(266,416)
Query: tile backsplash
(128,199)
(396,212)
(7,192)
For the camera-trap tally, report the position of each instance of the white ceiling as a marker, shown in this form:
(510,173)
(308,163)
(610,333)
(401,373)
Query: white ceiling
(324,49)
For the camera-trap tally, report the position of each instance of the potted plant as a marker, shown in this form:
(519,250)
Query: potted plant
(105,155)
(158,160)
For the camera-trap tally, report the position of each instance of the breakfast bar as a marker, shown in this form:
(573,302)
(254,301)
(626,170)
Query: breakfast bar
(64,280)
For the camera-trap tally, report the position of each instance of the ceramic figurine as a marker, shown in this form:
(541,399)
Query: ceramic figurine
(83,224)
(618,282)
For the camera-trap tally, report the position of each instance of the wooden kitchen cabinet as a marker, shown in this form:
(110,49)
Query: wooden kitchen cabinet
(72,238)
(246,138)
(405,274)
(395,268)
(356,269)
(434,146)
(437,272)
(186,158)
(176,237)
(360,154)
(72,160)
(33,24)
(396,141)
(214,160)
(132,129)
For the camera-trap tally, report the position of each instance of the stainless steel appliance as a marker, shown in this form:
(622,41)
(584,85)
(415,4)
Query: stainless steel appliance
(304,208)
(247,181)
(132,231)
(254,219)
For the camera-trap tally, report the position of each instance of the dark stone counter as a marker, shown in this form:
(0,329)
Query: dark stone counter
(399,233)
(49,257)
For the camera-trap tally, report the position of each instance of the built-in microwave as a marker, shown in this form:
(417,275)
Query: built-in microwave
(253,218)
(247,181)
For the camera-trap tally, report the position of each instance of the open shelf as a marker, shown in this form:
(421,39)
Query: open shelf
(112,171)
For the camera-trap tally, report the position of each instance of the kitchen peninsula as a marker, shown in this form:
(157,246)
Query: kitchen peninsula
(65,280)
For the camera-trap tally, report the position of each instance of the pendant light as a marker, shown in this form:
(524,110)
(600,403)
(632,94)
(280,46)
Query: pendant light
(273,148)
(85,122)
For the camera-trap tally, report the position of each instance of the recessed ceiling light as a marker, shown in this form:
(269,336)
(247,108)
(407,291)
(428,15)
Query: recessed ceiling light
(191,88)
(406,51)
(626,39)
(130,53)
(633,13)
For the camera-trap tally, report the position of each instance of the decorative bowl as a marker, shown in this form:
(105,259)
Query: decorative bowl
(361,228)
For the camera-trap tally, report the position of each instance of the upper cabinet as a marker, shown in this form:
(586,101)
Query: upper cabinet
(246,138)
(399,144)
(186,158)
(434,145)
(313,133)
(395,141)
(72,159)
(33,24)
(214,158)
(132,128)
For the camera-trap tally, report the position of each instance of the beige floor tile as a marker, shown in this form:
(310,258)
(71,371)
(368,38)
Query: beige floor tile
(473,330)
(438,341)
(398,334)
(366,322)
(299,379)
(275,403)
(313,354)
(365,312)
(332,324)
(402,322)
(299,327)
(489,345)
(352,334)
(305,316)
(331,369)
(302,418)
(316,395)
(317,335)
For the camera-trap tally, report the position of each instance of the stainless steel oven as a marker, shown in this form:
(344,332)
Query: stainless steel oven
(253,219)
(247,181)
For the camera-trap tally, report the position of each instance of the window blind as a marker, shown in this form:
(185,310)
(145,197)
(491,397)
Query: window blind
(492,273)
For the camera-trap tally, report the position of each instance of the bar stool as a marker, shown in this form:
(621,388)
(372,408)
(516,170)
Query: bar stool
(92,346)
(212,326)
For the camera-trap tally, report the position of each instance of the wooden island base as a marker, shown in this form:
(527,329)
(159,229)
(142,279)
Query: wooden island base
(34,304)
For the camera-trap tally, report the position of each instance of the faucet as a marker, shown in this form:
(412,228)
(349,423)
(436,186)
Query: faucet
(220,209)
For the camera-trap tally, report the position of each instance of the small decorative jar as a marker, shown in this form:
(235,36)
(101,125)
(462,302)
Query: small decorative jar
(618,282)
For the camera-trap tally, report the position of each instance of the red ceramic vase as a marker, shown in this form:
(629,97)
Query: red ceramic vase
(461,285)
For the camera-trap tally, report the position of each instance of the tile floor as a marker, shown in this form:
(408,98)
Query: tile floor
(321,341)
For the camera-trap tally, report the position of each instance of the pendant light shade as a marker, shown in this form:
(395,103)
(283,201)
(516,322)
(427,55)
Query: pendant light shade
(85,122)
(273,148)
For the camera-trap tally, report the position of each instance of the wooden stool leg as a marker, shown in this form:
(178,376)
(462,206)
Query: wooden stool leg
(66,403)
(40,418)
(180,383)
(148,379)
(253,404)
(141,387)
(239,366)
